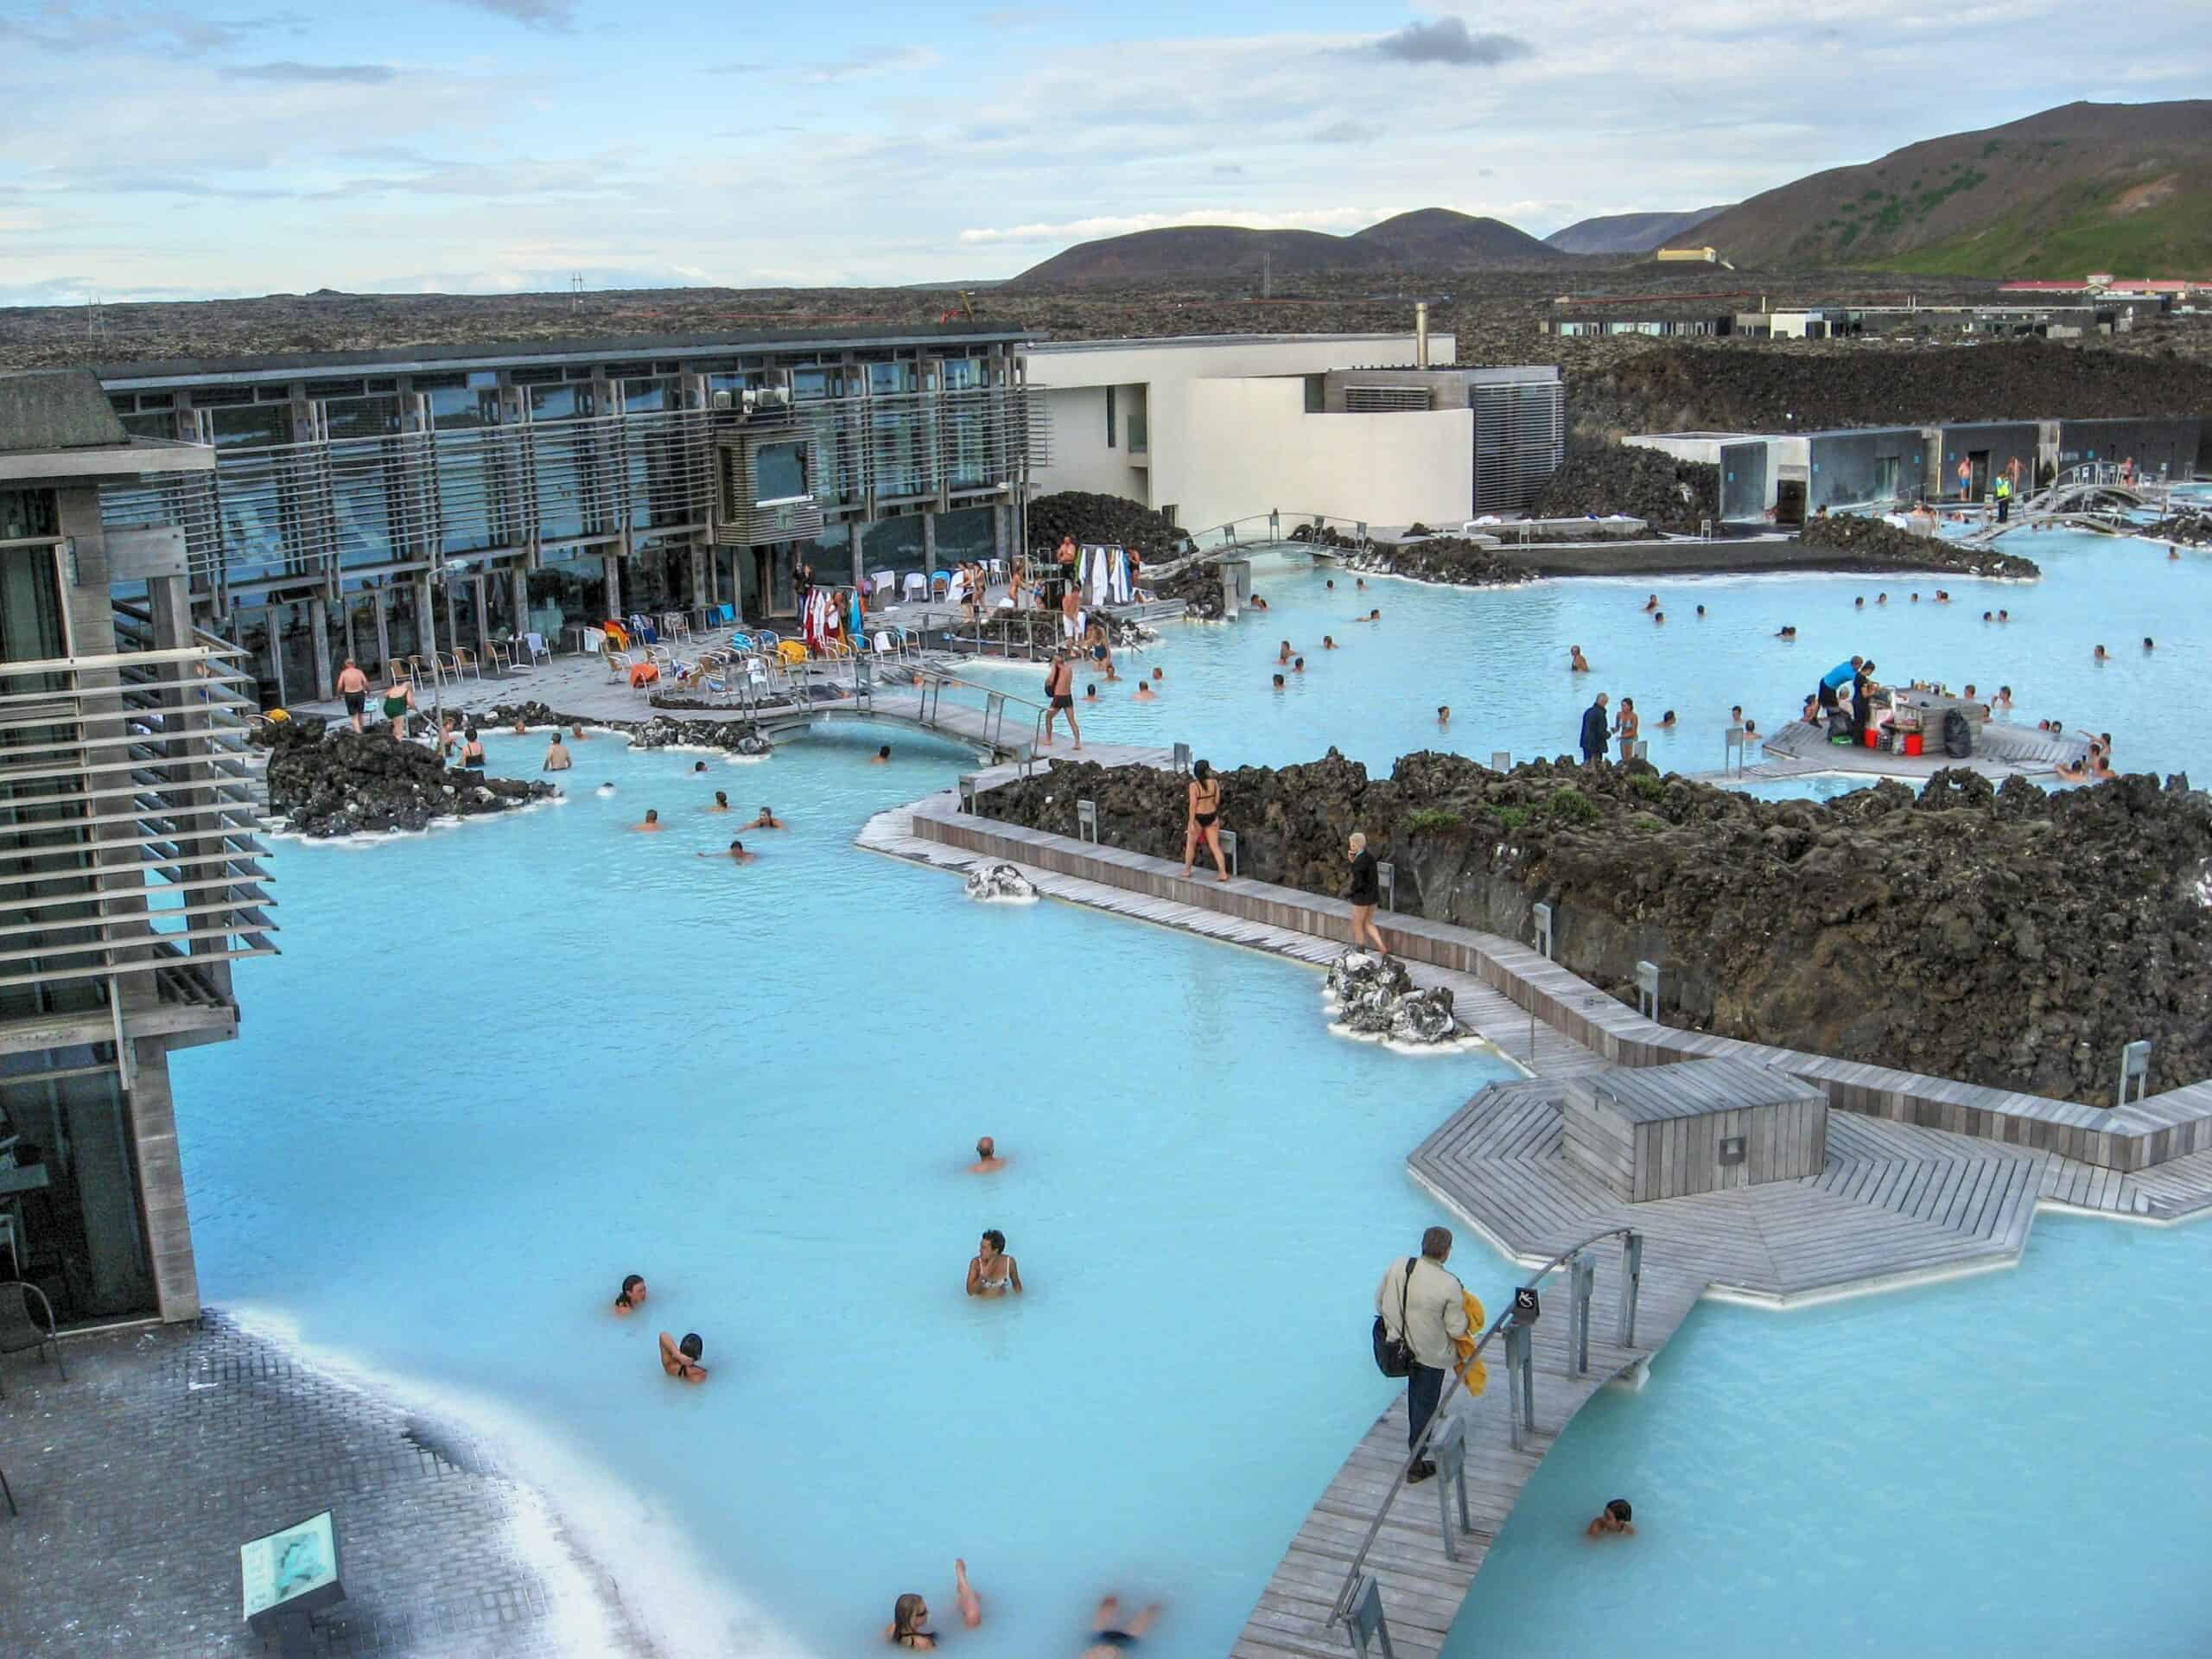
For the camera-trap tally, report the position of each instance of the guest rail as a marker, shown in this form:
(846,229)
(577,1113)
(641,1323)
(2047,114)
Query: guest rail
(931,682)
(1359,1592)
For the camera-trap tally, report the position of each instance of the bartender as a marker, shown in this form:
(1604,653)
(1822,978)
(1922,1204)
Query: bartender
(1862,699)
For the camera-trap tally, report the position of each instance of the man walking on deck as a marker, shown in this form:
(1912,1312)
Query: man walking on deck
(1595,729)
(354,686)
(1426,1306)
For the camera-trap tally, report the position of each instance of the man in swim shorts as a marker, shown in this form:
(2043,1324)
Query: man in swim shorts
(1060,698)
(354,686)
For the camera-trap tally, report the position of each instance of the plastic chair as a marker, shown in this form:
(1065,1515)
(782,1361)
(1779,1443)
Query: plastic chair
(940,583)
(915,587)
(20,1332)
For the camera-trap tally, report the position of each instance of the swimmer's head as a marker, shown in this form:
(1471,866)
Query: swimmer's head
(652,816)
(698,766)
(634,1290)
(737,846)
(722,798)
(996,1239)
(692,1347)
(1618,1510)
(986,1148)
(883,754)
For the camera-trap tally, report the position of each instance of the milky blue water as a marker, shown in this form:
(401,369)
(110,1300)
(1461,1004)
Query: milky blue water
(1498,658)
(501,1065)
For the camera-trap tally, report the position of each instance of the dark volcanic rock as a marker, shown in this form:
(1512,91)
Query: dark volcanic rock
(2190,529)
(2004,936)
(1199,587)
(1442,558)
(349,781)
(1874,545)
(1113,519)
(1599,478)
(733,736)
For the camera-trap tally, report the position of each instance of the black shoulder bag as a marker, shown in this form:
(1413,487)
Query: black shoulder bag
(1393,1355)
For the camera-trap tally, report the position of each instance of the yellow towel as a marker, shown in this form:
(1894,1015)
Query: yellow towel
(1478,1373)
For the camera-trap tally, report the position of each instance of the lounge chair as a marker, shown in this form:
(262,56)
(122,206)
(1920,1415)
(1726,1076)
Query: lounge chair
(20,1332)
(464,662)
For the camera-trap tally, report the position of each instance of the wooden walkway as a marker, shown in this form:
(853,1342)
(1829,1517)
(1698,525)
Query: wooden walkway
(1895,1203)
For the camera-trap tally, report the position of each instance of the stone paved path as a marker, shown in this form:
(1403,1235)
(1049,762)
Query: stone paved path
(168,1446)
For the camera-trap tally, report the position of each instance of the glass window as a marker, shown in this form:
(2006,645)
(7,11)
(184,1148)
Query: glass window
(72,1169)
(779,471)
(1317,398)
(1109,417)
(250,423)
(25,513)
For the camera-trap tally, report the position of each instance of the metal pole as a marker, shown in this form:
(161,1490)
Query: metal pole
(1586,1290)
(1631,1285)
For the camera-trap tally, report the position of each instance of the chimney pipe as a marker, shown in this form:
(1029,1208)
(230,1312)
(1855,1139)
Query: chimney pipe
(1420,334)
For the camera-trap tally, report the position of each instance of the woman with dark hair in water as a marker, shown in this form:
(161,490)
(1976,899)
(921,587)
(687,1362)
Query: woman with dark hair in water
(1203,820)
(634,1292)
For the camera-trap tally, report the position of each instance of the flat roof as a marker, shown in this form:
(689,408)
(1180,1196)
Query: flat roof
(1048,348)
(502,353)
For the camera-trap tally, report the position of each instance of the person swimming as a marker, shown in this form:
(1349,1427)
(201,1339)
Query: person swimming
(722,801)
(1091,694)
(632,1293)
(1443,713)
(652,824)
(1297,664)
(698,766)
(882,757)
(2102,655)
(1328,642)
(1700,610)
(1576,663)
(1144,693)
(604,789)
(1658,616)
(1614,1518)
(991,1271)
(1112,1633)
(736,854)
(1279,681)
(1283,655)
(767,820)
(681,1359)
(987,1157)
(1667,721)
(1651,603)
(1373,616)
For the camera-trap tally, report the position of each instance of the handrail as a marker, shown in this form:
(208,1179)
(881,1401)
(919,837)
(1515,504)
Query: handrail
(931,681)
(1341,1606)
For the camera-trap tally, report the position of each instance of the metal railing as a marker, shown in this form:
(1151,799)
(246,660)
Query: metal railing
(931,682)
(1523,1408)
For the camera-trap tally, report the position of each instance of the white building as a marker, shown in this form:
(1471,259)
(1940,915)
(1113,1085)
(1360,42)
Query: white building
(1211,428)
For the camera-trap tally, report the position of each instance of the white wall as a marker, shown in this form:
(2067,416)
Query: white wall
(1081,460)
(1257,450)
(1203,452)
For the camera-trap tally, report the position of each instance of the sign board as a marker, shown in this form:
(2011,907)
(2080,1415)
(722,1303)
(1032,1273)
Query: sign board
(1527,1307)
(294,1570)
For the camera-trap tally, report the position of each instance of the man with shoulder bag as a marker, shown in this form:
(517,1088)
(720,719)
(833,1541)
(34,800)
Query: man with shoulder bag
(1419,1308)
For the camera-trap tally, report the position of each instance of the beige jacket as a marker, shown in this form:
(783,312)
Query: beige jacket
(1434,1312)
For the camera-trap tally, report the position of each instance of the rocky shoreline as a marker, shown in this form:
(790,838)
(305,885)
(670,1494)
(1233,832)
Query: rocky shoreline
(1872,545)
(326,783)
(661,732)
(2182,529)
(1451,561)
(2003,937)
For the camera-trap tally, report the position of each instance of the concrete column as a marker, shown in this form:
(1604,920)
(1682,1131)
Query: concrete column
(319,623)
(161,1183)
(426,619)
(701,572)
(518,596)
(852,547)
(613,564)
(928,543)
(1001,530)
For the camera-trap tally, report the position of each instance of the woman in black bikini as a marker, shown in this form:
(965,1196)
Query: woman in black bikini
(1203,822)
(908,1615)
(472,753)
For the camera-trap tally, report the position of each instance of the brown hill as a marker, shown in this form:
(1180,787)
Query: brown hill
(1627,233)
(2087,186)
(1430,239)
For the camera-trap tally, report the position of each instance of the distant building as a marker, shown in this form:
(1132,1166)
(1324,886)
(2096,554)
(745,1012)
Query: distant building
(1213,428)
(389,503)
(134,878)
(1782,478)
(1689,256)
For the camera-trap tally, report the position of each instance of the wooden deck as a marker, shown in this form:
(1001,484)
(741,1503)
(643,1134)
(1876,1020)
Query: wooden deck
(1896,1202)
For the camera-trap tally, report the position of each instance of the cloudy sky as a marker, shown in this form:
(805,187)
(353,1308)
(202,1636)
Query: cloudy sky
(185,149)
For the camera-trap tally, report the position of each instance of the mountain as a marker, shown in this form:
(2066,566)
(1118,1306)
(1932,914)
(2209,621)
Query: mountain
(2123,188)
(1431,238)
(1436,239)
(1627,233)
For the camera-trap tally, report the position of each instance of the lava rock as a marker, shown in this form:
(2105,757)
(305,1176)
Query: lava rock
(1000,883)
(1375,996)
(2189,529)
(1598,478)
(1873,545)
(1424,1017)
(2004,936)
(344,782)
(1101,520)
(1448,559)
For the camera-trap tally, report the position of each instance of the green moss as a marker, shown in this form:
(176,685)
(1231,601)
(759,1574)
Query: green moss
(1573,806)
(1435,821)
(1513,816)
(1648,785)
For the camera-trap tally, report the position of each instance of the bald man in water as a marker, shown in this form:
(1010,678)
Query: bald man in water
(987,1158)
